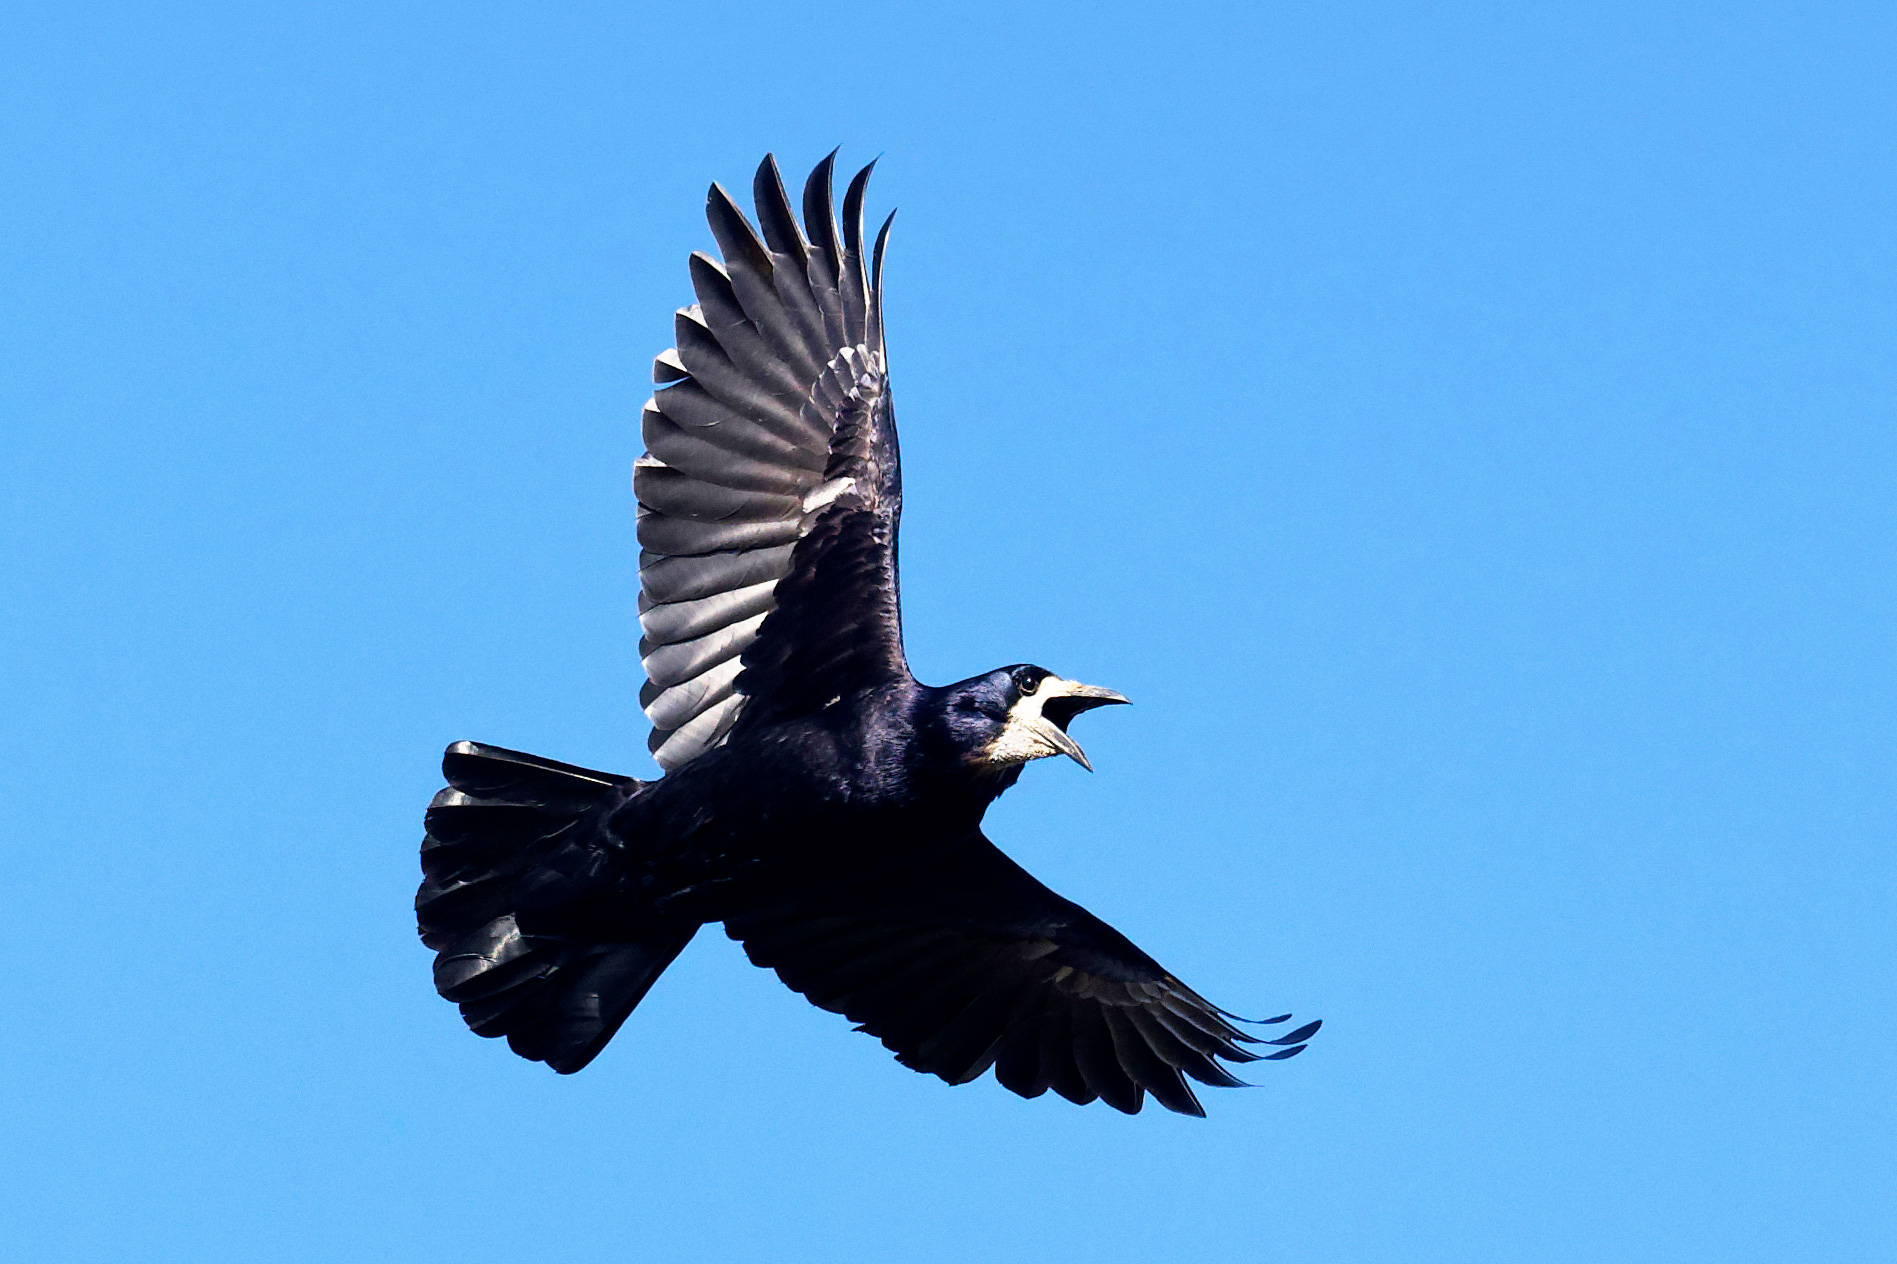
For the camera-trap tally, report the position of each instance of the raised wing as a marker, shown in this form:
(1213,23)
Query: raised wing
(769,494)
(958,960)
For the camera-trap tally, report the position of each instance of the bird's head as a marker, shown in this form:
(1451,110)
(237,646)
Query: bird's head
(1000,721)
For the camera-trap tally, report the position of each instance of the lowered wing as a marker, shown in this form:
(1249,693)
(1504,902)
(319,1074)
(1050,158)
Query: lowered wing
(770,489)
(958,960)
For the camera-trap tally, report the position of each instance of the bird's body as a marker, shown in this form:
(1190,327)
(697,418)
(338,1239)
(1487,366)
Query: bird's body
(808,794)
(819,802)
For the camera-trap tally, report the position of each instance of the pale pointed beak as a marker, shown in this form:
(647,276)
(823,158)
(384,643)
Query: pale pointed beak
(1065,699)
(1054,735)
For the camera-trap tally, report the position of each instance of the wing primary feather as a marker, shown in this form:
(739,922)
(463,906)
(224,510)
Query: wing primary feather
(1195,1037)
(1240,1018)
(1147,1069)
(803,318)
(1212,1011)
(820,218)
(1178,1053)
(875,335)
(821,227)
(1228,1014)
(737,240)
(801,333)
(724,315)
(853,281)
(853,210)
(774,215)
(1299,1036)
(1202,1016)
(756,281)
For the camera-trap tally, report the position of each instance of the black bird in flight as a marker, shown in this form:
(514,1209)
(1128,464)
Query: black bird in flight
(817,800)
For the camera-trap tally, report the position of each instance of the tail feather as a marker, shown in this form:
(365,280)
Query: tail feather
(495,844)
(490,772)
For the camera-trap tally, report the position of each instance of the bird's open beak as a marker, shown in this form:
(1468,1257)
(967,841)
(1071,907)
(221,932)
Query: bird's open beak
(1061,701)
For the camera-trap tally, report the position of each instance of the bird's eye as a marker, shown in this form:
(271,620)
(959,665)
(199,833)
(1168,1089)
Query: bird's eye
(1026,682)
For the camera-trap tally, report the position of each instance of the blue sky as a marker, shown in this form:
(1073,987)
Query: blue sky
(1464,430)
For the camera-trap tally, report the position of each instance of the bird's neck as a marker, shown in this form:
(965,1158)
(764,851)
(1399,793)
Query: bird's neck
(942,770)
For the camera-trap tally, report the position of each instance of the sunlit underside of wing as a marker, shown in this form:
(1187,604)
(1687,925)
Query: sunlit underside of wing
(782,350)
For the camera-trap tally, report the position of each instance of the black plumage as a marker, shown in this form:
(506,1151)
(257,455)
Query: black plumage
(818,801)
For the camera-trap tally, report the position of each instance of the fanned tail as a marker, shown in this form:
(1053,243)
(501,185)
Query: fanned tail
(503,839)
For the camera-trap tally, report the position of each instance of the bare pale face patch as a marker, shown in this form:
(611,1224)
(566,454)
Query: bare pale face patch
(1036,726)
